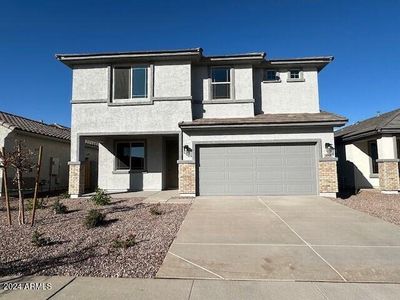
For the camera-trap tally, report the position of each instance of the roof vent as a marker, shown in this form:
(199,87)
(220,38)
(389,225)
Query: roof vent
(378,113)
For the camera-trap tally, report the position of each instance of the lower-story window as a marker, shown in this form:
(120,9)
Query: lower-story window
(130,156)
(373,154)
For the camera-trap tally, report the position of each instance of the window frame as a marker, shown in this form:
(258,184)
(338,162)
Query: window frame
(371,160)
(277,77)
(131,67)
(299,79)
(212,84)
(130,170)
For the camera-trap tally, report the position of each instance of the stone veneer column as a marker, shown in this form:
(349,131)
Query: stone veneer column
(187,178)
(389,175)
(328,180)
(76,179)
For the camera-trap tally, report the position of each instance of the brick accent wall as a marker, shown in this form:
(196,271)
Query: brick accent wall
(389,178)
(187,178)
(76,179)
(328,182)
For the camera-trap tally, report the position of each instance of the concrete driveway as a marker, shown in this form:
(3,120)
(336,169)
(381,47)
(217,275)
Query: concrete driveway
(303,238)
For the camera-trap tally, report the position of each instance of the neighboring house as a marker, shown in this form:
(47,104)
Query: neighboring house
(55,140)
(235,125)
(369,153)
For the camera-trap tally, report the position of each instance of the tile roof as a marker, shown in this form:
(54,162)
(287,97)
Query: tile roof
(290,118)
(388,122)
(28,125)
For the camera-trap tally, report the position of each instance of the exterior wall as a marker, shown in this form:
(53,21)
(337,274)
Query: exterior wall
(241,104)
(121,180)
(90,83)
(187,179)
(291,97)
(357,165)
(3,135)
(172,80)
(52,148)
(325,135)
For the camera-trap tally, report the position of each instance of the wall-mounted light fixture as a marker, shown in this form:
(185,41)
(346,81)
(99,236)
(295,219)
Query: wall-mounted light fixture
(187,150)
(330,150)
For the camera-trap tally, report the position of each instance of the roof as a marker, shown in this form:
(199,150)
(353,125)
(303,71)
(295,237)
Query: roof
(322,118)
(190,54)
(27,125)
(385,123)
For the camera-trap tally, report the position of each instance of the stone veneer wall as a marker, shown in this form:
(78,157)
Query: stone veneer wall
(76,178)
(389,178)
(187,178)
(328,181)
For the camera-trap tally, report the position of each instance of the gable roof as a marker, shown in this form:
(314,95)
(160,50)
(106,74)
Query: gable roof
(321,118)
(385,123)
(27,125)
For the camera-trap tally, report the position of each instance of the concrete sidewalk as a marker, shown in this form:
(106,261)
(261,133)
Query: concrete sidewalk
(118,288)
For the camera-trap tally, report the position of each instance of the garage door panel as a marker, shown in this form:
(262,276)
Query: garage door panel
(257,169)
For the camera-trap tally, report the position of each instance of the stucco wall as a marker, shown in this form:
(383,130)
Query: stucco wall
(172,80)
(359,165)
(90,83)
(291,97)
(112,180)
(52,148)
(243,77)
(259,135)
(223,110)
(3,135)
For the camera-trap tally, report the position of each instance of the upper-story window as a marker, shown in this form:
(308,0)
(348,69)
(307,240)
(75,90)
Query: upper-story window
(294,74)
(221,82)
(271,75)
(130,82)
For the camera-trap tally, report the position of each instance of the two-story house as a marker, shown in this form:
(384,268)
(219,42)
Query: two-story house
(210,125)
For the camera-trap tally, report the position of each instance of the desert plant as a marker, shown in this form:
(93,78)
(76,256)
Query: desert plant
(40,204)
(38,240)
(126,243)
(100,197)
(65,195)
(156,209)
(59,207)
(94,219)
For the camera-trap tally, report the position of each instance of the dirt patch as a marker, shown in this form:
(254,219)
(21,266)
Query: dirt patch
(384,206)
(77,251)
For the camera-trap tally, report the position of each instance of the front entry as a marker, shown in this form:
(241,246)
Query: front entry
(171,166)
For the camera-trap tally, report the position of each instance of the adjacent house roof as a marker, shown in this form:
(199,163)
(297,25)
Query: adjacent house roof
(191,54)
(31,126)
(323,118)
(385,123)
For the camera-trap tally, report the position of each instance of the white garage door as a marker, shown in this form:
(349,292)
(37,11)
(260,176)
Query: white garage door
(275,169)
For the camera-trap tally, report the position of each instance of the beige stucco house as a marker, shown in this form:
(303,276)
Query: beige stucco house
(369,153)
(55,140)
(209,125)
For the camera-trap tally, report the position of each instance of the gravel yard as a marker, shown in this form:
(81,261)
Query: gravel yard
(77,251)
(384,206)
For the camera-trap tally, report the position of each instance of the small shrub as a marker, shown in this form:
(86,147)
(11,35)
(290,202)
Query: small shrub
(65,195)
(100,197)
(38,240)
(126,243)
(59,207)
(40,204)
(94,219)
(156,209)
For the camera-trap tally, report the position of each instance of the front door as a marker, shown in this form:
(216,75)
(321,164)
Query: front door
(171,156)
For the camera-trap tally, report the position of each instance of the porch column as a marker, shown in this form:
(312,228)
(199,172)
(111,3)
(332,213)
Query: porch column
(187,178)
(328,181)
(388,165)
(77,167)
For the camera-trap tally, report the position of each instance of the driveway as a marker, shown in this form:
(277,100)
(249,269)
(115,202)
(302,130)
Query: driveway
(303,238)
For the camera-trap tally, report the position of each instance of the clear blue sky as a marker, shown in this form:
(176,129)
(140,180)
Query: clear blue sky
(364,37)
